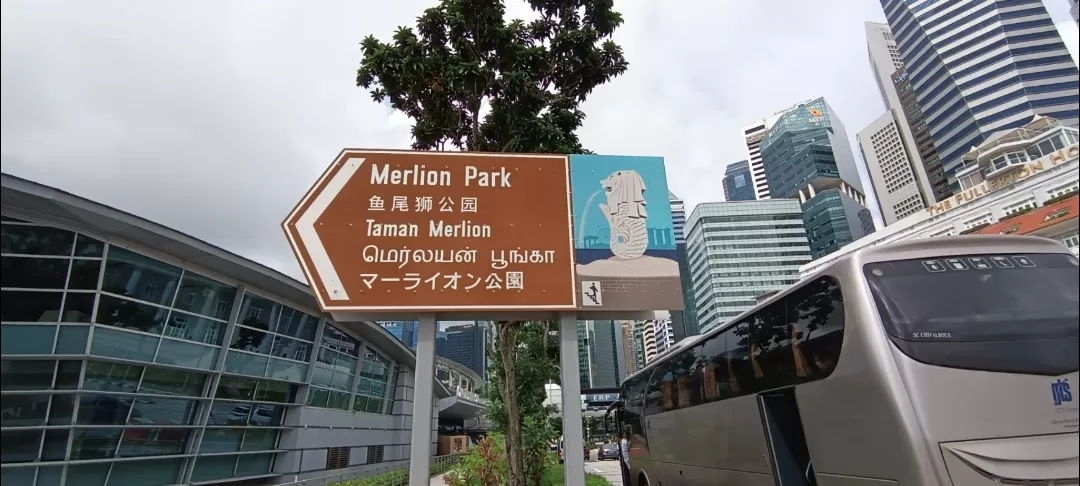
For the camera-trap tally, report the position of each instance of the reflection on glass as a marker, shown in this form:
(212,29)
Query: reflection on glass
(84,274)
(78,307)
(231,387)
(146,473)
(120,344)
(33,273)
(26,339)
(139,277)
(195,328)
(260,439)
(20,445)
(251,340)
(213,467)
(86,246)
(130,314)
(35,240)
(270,391)
(55,447)
(336,340)
(103,410)
(288,348)
(88,474)
(23,410)
(221,440)
(259,313)
(163,411)
(297,324)
(111,377)
(26,374)
(205,296)
(253,464)
(245,364)
(172,382)
(63,409)
(286,370)
(72,339)
(95,443)
(188,355)
(25,306)
(153,442)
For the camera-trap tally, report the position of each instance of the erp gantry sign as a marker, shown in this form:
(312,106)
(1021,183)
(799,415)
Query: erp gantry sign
(393,231)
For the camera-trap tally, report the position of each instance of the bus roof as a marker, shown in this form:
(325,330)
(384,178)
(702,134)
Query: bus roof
(974,242)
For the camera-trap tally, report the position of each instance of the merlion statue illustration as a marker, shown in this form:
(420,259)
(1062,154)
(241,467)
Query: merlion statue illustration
(625,213)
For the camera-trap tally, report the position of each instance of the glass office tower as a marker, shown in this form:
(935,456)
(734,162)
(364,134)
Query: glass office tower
(807,156)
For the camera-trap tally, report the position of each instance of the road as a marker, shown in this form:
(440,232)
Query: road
(608,469)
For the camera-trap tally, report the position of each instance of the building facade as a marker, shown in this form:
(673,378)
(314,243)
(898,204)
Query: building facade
(891,164)
(405,331)
(740,250)
(807,156)
(463,343)
(134,354)
(739,182)
(684,322)
(753,133)
(921,140)
(979,67)
(1003,185)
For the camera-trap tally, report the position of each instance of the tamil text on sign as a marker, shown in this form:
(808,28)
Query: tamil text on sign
(431,231)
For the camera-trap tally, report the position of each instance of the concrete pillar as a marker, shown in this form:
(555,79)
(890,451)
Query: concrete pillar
(574,445)
(423,397)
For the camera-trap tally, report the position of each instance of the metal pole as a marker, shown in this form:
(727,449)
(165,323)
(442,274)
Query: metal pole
(423,402)
(574,445)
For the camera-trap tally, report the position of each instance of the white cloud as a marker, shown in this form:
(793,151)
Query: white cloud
(215,117)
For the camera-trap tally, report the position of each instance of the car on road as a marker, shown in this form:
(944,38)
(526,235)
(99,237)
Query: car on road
(608,451)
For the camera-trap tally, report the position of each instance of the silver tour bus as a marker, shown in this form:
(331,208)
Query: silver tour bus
(942,361)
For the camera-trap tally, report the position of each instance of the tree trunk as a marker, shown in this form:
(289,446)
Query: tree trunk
(508,348)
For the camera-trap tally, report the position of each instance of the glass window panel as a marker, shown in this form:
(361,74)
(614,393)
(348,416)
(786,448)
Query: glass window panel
(172,382)
(23,410)
(229,413)
(259,313)
(20,445)
(266,415)
(67,376)
(339,400)
(103,410)
(146,473)
(195,328)
(112,377)
(86,246)
(190,355)
(33,273)
(360,403)
(374,405)
(231,387)
(140,277)
(152,442)
(84,274)
(213,467)
(297,324)
(95,443)
(221,440)
(120,344)
(253,340)
(50,476)
(17,475)
(337,340)
(318,397)
(342,381)
(269,391)
(88,474)
(26,339)
(78,307)
(26,374)
(245,364)
(22,306)
(260,439)
(129,314)
(205,296)
(35,240)
(55,447)
(286,370)
(287,348)
(63,409)
(72,339)
(253,464)
(163,411)
(323,375)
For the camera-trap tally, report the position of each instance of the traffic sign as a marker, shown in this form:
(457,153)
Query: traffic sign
(386,231)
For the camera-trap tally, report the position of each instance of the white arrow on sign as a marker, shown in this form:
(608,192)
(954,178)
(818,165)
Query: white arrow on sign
(305,228)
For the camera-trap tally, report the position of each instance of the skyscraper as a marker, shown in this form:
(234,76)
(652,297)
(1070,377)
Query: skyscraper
(979,67)
(807,156)
(920,133)
(464,343)
(901,185)
(889,162)
(753,134)
(599,354)
(629,347)
(684,321)
(739,182)
(742,249)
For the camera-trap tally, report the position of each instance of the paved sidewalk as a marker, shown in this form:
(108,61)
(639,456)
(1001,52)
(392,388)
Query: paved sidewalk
(438,481)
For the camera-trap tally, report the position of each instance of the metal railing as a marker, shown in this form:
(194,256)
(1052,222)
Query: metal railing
(396,474)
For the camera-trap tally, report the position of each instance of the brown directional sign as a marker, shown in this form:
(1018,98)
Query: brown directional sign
(438,231)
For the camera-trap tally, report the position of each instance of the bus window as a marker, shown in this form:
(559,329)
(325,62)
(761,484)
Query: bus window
(739,359)
(1007,313)
(771,337)
(816,312)
(716,381)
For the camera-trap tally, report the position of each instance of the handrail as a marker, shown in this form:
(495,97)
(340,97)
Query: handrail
(439,465)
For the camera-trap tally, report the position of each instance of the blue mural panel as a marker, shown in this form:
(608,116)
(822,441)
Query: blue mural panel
(623,233)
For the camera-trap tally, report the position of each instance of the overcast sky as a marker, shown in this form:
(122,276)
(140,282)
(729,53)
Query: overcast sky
(215,117)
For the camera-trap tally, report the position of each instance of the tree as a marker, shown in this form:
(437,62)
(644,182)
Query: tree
(463,57)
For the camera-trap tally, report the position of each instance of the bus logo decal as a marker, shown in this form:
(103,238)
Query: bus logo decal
(1061,392)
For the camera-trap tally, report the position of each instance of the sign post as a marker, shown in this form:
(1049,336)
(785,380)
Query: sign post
(391,234)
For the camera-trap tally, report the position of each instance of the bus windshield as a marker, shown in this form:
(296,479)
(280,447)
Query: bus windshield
(1013,313)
